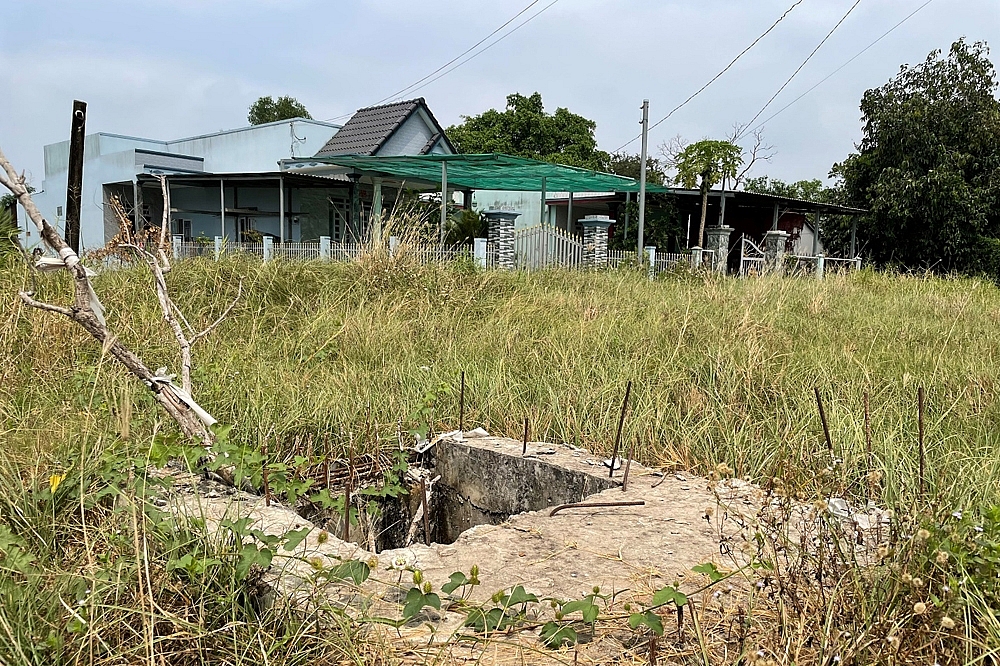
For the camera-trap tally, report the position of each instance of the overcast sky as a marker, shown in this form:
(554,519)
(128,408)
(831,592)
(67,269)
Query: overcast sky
(172,69)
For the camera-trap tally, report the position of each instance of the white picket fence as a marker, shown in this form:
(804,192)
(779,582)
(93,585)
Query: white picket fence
(544,246)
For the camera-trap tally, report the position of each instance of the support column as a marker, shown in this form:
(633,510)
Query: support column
(819,220)
(595,240)
(376,230)
(501,236)
(774,222)
(854,236)
(137,199)
(281,208)
(569,214)
(541,210)
(717,240)
(166,205)
(222,206)
(444,197)
(774,250)
(628,200)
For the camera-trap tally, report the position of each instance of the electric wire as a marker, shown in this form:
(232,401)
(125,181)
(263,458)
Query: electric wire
(799,69)
(416,85)
(717,76)
(845,64)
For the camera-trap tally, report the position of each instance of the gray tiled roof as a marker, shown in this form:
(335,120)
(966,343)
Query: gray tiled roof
(369,128)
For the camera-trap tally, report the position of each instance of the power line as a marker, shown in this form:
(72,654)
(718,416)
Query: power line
(416,85)
(799,68)
(471,48)
(848,62)
(489,46)
(716,77)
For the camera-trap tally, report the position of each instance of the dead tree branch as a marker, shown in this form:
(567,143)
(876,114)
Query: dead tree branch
(759,152)
(87,312)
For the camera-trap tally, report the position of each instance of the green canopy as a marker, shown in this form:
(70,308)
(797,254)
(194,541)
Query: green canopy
(488,172)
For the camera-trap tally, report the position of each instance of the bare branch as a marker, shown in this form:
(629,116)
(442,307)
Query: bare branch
(26,296)
(225,313)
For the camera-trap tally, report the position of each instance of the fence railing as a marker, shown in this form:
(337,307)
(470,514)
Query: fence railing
(543,245)
(618,257)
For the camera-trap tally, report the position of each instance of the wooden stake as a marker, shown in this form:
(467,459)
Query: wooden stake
(74,177)
(347,494)
(524,446)
(621,422)
(822,418)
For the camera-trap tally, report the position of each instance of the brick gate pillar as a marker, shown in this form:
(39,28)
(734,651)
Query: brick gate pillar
(774,250)
(595,240)
(717,239)
(501,236)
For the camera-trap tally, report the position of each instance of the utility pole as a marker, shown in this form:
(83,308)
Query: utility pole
(74,178)
(642,177)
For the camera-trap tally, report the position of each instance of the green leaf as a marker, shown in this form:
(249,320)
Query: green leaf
(294,537)
(416,600)
(519,596)
(710,570)
(355,571)
(586,606)
(648,619)
(483,621)
(555,635)
(668,595)
(456,581)
(251,556)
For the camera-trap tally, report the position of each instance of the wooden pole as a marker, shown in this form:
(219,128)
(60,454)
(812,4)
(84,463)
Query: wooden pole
(74,178)
(621,422)
(822,418)
(920,443)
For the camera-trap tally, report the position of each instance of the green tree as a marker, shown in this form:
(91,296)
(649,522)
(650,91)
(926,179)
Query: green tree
(928,165)
(662,222)
(704,164)
(268,110)
(807,190)
(525,130)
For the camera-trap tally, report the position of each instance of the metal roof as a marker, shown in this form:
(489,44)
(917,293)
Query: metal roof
(369,128)
(490,171)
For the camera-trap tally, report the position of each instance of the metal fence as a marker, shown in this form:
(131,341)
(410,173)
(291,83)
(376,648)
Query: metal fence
(543,245)
(300,251)
(618,258)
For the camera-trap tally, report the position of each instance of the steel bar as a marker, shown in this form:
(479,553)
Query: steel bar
(524,446)
(822,418)
(628,466)
(621,422)
(461,405)
(594,505)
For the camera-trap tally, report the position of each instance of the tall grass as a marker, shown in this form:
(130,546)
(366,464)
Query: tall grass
(723,369)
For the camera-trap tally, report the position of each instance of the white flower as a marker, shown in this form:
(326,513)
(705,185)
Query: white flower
(957,515)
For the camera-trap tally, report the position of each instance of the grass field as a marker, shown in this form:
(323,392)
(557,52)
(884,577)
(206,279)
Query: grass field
(723,371)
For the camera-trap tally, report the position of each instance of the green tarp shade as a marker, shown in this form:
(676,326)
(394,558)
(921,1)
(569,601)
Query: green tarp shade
(488,172)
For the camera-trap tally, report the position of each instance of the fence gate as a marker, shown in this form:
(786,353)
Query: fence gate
(751,257)
(544,245)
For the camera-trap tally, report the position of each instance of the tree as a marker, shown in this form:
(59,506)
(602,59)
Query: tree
(807,190)
(928,165)
(662,221)
(267,110)
(704,164)
(525,130)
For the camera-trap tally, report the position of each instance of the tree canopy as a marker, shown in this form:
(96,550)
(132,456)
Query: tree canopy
(268,110)
(524,129)
(928,165)
(704,164)
(807,190)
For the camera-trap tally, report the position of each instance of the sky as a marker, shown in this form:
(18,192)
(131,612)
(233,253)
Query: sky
(168,70)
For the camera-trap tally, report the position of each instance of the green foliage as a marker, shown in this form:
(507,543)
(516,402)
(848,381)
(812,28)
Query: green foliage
(464,227)
(525,130)
(706,163)
(268,110)
(555,635)
(928,166)
(627,165)
(807,190)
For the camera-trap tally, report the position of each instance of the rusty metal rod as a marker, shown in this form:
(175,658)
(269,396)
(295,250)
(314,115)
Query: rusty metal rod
(427,511)
(524,446)
(267,488)
(593,505)
(621,422)
(628,466)
(822,418)
(461,405)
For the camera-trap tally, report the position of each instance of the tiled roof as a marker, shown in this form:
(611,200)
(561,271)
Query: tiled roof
(369,128)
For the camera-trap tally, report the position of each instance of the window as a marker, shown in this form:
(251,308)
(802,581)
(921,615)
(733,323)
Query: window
(181,228)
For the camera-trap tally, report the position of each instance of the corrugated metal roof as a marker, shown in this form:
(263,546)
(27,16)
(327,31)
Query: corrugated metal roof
(369,128)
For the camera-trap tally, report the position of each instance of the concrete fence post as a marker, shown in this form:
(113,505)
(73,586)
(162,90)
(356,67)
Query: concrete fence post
(820,266)
(718,242)
(176,246)
(857,263)
(218,247)
(595,240)
(479,251)
(774,250)
(393,245)
(651,260)
(268,249)
(324,248)
(696,257)
(501,234)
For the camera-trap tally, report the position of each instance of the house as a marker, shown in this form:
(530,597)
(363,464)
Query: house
(230,183)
